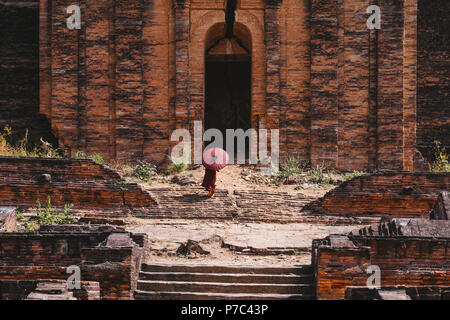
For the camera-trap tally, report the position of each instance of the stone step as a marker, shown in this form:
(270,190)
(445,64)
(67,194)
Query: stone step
(228,277)
(149,295)
(227,269)
(54,297)
(51,288)
(220,287)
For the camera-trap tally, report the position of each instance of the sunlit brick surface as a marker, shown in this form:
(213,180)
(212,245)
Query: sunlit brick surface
(340,94)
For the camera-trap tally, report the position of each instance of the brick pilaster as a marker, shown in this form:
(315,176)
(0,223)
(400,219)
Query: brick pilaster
(45,56)
(129,79)
(273,62)
(390,86)
(181,12)
(156,79)
(324,83)
(65,82)
(410,83)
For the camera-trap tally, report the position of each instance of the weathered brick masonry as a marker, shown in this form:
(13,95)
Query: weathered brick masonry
(441,210)
(8,220)
(19,71)
(111,258)
(433,78)
(408,252)
(398,293)
(47,290)
(90,187)
(340,93)
(386,194)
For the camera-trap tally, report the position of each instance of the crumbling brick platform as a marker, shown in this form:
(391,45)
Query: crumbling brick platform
(441,210)
(409,252)
(48,290)
(398,293)
(190,203)
(385,194)
(242,205)
(255,205)
(111,258)
(89,186)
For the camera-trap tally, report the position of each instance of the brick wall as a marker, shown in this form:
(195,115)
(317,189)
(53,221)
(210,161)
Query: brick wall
(21,289)
(89,290)
(441,210)
(396,194)
(19,71)
(417,258)
(59,169)
(324,82)
(340,94)
(295,119)
(111,259)
(16,289)
(433,105)
(85,184)
(97,80)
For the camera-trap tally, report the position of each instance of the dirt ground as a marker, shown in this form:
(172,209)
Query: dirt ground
(239,177)
(233,242)
(288,243)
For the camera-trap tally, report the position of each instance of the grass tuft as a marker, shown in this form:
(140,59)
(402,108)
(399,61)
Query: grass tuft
(441,162)
(45,215)
(23,148)
(94,157)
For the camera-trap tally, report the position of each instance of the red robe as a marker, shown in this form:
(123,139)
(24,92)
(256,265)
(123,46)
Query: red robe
(209,181)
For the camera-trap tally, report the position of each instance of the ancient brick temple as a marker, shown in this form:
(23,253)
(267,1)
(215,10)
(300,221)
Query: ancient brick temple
(339,93)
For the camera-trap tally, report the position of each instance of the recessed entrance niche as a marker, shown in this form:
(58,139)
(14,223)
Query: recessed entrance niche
(228,80)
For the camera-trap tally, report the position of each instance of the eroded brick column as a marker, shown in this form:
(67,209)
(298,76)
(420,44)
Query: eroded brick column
(156,79)
(182,63)
(433,78)
(373,99)
(353,85)
(390,86)
(64,73)
(324,86)
(45,56)
(410,83)
(129,76)
(295,73)
(273,62)
(97,93)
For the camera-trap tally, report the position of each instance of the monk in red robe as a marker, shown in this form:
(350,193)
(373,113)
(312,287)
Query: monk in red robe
(209,181)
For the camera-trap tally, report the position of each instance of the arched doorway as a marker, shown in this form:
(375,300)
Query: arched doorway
(228,70)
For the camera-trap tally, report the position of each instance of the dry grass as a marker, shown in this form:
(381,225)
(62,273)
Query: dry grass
(24,148)
(441,161)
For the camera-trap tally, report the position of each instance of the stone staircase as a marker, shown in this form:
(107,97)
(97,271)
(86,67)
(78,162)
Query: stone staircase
(243,205)
(206,282)
(51,290)
(190,203)
(270,206)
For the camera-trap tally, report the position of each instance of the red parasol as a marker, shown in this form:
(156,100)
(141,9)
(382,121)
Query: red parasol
(215,159)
